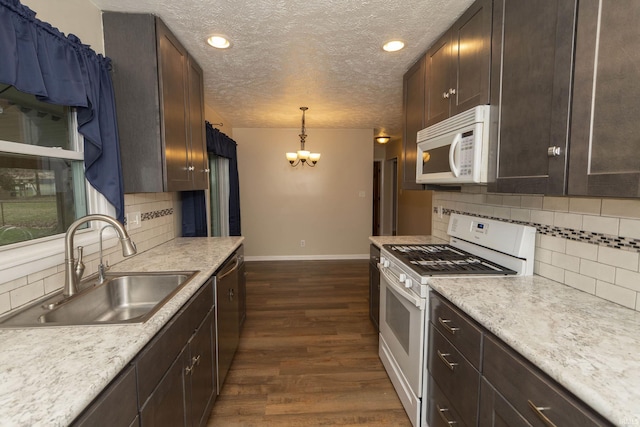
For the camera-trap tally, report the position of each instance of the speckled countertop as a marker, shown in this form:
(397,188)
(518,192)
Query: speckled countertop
(49,375)
(587,344)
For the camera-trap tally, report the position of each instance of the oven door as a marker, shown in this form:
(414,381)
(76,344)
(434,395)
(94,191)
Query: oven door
(402,323)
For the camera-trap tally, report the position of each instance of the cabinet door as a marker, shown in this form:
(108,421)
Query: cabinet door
(495,411)
(531,91)
(202,372)
(605,154)
(413,104)
(471,57)
(167,405)
(172,63)
(438,80)
(198,160)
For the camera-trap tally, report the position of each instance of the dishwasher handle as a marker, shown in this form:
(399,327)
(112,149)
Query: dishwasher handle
(227,270)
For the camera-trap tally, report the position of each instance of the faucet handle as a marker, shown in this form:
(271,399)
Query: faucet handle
(79,267)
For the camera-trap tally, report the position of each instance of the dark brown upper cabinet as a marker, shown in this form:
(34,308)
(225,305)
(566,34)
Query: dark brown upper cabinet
(531,76)
(159,104)
(413,116)
(604,157)
(458,65)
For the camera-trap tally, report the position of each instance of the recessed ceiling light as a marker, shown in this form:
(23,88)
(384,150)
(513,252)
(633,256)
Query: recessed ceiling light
(393,46)
(219,42)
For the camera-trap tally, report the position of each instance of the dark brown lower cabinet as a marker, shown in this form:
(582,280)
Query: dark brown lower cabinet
(536,397)
(502,389)
(495,411)
(441,412)
(166,404)
(185,394)
(117,405)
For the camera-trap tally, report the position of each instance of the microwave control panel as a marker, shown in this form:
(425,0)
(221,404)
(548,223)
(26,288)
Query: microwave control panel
(467,154)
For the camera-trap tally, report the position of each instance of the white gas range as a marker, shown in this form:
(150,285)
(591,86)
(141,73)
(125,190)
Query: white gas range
(477,247)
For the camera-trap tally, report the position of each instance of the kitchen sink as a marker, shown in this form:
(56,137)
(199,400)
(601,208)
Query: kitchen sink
(121,298)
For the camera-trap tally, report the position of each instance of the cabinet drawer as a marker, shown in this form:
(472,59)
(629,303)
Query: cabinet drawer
(457,327)
(158,355)
(524,386)
(440,412)
(456,377)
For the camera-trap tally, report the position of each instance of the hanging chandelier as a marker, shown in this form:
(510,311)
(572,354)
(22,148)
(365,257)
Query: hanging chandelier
(303,156)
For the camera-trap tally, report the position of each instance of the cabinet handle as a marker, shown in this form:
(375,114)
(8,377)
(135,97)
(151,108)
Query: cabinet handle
(230,294)
(442,412)
(445,324)
(191,168)
(554,151)
(188,370)
(452,91)
(195,361)
(207,170)
(445,95)
(539,411)
(443,357)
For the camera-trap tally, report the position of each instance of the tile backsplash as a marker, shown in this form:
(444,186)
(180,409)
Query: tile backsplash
(590,244)
(159,224)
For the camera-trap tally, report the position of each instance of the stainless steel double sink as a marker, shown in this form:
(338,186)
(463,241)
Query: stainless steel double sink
(121,298)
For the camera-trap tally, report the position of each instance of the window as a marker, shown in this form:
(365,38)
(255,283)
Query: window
(42,185)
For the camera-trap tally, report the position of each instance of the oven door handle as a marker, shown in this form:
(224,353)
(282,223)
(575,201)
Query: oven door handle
(393,283)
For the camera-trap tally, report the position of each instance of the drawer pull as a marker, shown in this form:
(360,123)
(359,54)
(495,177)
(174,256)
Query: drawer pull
(443,416)
(539,411)
(443,357)
(445,324)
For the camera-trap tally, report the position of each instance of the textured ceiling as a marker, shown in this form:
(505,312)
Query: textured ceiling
(323,54)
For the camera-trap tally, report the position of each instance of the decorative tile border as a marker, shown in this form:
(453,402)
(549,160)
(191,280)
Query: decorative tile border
(616,242)
(156,214)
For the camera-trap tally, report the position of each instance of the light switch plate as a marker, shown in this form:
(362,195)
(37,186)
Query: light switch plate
(133,220)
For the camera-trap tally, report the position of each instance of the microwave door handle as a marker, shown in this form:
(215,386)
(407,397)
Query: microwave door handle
(452,151)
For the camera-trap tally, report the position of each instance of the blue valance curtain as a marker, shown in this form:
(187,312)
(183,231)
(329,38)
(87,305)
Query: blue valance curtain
(194,222)
(38,59)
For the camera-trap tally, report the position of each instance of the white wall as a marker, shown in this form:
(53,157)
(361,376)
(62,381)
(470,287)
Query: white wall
(590,244)
(282,205)
(79,17)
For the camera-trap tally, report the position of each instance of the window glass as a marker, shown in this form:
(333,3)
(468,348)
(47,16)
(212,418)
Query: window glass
(42,184)
(26,120)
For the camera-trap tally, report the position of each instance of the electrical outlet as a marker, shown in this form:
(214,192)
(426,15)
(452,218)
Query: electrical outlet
(440,211)
(302,243)
(133,220)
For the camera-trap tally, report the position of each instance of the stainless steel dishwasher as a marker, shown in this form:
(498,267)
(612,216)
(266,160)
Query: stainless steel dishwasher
(227,314)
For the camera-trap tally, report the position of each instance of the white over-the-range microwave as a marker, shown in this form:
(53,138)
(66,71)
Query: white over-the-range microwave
(456,150)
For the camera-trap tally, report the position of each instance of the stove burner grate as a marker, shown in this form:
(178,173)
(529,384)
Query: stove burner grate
(430,260)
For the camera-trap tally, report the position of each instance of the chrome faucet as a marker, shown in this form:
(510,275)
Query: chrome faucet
(102,268)
(71,279)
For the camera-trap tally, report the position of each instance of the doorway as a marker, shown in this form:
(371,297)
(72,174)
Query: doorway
(377,197)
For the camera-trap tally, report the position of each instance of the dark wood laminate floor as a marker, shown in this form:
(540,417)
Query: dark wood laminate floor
(308,354)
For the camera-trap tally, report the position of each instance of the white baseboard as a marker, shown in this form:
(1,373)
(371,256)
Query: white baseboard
(306,257)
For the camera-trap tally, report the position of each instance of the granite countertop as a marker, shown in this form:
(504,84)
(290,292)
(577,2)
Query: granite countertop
(587,344)
(50,374)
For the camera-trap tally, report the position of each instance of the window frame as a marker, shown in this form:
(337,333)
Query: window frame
(25,258)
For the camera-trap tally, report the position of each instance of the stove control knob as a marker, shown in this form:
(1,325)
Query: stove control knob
(384,262)
(402,277)
(408,283)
